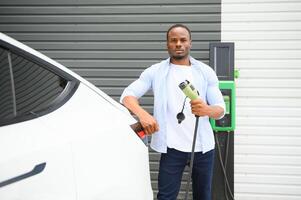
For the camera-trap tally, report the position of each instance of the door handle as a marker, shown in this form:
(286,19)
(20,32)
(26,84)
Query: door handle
(36,170)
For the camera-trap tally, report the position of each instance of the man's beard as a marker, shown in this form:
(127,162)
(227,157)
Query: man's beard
(175,56)
(179,57)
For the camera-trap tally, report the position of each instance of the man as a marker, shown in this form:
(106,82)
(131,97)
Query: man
(171,139)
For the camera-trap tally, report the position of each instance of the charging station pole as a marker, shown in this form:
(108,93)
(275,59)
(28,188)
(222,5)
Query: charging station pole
(222,61)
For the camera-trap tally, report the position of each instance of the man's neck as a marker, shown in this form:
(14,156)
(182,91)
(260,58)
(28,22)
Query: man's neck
(184,61)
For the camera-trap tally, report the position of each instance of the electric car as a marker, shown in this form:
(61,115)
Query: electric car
(61,138)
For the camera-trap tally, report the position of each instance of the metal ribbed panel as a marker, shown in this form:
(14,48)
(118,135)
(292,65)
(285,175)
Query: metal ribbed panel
(111,42)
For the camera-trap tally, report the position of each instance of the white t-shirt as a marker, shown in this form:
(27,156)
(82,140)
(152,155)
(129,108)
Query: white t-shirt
(179,136)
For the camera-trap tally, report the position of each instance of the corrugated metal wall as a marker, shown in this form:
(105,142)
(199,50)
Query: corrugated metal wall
(110,42)
(267,35)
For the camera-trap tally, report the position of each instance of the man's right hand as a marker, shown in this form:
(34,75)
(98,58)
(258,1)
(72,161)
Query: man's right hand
(148,123)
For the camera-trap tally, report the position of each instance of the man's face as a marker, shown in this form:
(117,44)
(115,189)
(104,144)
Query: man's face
(178,43)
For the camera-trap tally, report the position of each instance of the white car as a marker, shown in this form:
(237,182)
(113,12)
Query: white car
(61,138)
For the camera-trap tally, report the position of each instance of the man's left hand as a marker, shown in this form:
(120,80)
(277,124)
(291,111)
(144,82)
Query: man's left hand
(200,108)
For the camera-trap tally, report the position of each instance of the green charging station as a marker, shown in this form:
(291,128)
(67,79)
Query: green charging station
(227,123)
(222,61)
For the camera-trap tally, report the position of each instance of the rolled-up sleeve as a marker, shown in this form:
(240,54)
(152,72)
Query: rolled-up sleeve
(140,86)
(214,95)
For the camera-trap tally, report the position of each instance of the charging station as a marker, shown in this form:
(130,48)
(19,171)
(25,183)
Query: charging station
(222,61)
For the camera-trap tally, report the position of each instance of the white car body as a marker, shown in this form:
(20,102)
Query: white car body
(82,150)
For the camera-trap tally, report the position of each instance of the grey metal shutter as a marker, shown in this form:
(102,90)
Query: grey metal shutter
(111,42)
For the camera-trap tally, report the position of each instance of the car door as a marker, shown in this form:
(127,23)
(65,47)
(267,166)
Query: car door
(35,161)
(110,160)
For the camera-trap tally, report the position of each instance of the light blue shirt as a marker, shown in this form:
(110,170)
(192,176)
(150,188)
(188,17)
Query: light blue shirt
(155,77)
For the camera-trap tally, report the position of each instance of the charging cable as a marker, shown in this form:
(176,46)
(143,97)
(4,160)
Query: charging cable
(190,92)
(223,166)
(180,115)
(192,156)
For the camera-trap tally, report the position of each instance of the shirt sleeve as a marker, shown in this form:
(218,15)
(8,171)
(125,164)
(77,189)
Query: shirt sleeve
(140,86)
(214,95)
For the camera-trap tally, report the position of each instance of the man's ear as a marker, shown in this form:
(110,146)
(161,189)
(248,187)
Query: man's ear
(166,45)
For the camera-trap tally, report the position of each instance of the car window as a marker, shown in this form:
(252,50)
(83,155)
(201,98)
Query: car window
(35,87)
(26,88)
(6,97)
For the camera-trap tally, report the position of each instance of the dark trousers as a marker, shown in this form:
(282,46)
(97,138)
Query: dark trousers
(172,165)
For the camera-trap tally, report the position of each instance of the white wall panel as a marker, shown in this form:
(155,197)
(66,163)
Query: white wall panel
(255,35)
(259,26)
(267,35)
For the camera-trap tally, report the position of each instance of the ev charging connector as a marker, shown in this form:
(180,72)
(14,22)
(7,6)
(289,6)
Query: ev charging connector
(189,90)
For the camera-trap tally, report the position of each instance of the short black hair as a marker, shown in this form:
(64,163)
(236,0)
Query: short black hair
(176,26)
